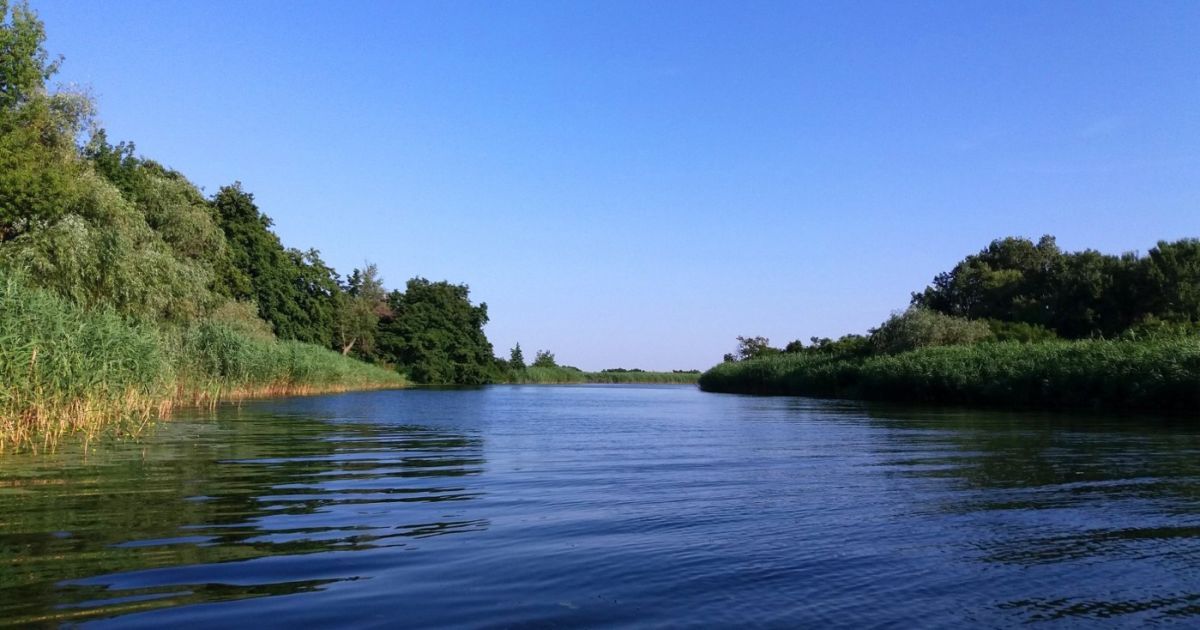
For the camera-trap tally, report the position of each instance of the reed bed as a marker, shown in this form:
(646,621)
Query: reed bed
(1156,375)
(67,371)
(563,376)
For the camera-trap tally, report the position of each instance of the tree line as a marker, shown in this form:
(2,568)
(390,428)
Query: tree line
(1020,324)
(105,227)
(1016,289)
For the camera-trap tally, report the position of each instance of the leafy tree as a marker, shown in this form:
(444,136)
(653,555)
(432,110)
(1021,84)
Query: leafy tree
(920,328)
(1173,280)
(263,271)
(1008,280)
(516,359)
(362,305)
(24,63)
(172,206)
(1075,294)
(754,347)
(845,346)
(434,331)
(544,359)
(38,169)
(318,294)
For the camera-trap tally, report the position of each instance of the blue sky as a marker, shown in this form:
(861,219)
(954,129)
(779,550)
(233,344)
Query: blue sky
(636,183)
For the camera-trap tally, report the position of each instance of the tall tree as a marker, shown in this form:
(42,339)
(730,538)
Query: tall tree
(516,358)
(544,359)
(38,172)
(436,333)
(24,63)
(266,273)
(1173,279)
(363,303)
(318,293)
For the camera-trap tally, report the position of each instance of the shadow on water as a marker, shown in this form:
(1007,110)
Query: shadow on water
(226,509)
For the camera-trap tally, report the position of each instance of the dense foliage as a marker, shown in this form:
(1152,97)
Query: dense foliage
(128,289)
(1075,294)
(433,329)
(103,227)
(66,368)
(1019,323)
(1153,375)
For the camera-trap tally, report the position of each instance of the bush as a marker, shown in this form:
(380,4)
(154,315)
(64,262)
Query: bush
(1020,331)
(923,328)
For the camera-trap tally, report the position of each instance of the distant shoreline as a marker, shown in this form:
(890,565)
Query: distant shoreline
(1160,376)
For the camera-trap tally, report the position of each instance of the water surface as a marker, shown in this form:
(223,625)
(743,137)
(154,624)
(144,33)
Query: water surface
(568,506)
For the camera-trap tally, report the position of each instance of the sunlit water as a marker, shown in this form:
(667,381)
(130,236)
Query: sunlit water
(602,506)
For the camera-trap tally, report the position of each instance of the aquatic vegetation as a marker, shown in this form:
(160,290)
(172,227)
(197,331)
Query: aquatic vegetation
(1158,375)
(69,370)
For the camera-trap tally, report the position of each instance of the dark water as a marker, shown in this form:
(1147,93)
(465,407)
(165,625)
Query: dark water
(608,506)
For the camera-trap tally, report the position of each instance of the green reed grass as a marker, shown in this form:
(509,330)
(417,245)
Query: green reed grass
(67,370)
(1158,375)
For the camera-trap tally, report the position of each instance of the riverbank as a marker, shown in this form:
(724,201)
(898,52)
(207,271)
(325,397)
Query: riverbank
(1160,376)
(566,375)
(68,371)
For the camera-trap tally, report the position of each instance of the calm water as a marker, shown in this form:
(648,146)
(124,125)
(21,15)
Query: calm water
(602,506)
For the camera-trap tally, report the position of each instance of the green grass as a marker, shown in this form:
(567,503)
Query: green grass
(561,375)
(1161,375)
(66,370)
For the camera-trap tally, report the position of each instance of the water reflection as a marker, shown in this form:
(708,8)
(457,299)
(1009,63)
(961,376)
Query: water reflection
(1067,506)
(593,506)
(224,510)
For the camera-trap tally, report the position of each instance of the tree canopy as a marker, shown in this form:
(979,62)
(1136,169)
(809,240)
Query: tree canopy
(434,330)
(1075,294)
(103,226)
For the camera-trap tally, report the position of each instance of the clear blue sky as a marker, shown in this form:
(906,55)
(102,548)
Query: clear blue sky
(634,184)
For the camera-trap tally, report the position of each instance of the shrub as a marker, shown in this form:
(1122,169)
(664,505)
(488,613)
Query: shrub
(920,327)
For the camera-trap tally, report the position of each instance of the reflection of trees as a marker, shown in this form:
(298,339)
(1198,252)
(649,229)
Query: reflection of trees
(201,495)
(1045,496)
(1082,454)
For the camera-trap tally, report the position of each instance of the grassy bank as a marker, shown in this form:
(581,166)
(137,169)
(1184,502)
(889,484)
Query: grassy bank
(1159,375)
(563,375)
(65,370)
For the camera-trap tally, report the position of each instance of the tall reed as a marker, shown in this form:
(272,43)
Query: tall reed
(1155,375)
(66,370)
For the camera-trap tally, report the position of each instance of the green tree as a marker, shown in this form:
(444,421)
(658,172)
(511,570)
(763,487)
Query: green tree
(544,359)
(1173,280)
(435,332)
(38,169)
(1008,280)
(265,272)
(318,293)
(1075,294)
(516,359)
(754,347)
(24,63)
(921,328)
(363,303)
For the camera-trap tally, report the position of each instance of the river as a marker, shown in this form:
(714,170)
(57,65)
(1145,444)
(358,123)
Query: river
(569,506)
